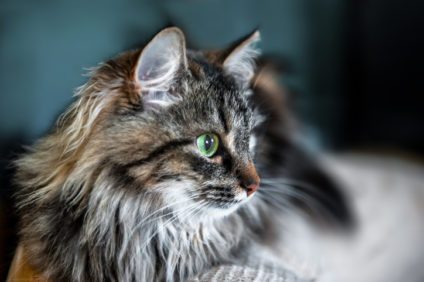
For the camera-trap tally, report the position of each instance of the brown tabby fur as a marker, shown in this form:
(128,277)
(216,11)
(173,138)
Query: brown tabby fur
(110,162)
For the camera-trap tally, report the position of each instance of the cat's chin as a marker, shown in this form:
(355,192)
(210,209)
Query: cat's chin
(217,211)
(200,210)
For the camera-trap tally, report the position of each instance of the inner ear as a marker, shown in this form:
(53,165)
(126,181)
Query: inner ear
(159,66)
(239,60)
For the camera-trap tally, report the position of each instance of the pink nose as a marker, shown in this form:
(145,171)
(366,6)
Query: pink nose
(252,188)
(249,179)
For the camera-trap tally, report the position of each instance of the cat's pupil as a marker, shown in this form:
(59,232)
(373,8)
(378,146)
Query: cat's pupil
(208,142)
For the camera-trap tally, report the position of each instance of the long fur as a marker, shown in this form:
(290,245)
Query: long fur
(117,193)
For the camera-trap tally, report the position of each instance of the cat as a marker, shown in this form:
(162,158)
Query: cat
(169,162)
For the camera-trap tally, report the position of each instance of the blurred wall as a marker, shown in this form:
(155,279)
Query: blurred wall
(46,45)
(352,66)
(383,65)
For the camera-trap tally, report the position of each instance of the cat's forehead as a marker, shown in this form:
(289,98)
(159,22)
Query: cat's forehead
(217,92)
(209,79)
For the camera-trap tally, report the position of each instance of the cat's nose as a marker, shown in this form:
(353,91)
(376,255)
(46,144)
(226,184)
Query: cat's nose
(251,188)
(249,179)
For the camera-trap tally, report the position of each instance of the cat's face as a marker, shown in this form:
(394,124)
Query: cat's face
(195,152)
(188,138)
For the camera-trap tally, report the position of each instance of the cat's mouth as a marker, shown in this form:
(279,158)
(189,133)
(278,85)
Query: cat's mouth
(220,201)
(210,200)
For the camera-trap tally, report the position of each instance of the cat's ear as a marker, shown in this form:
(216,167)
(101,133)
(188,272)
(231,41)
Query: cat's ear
(240,60)
(158,66)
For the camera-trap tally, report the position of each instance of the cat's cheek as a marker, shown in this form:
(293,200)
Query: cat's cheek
(213,212)
(175,196)
(241,195)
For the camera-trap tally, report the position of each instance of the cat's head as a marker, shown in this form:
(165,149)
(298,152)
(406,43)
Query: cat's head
(169,121)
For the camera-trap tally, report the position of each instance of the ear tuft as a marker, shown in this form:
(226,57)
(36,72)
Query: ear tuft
(158,66)
(240,63)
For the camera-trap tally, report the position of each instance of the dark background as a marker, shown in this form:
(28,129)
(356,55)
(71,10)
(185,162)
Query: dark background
(354,68)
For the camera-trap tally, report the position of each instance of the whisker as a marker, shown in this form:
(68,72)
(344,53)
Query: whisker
(287,187)
(142,223)
(167,223)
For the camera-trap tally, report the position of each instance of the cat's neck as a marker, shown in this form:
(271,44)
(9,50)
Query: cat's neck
(184,248)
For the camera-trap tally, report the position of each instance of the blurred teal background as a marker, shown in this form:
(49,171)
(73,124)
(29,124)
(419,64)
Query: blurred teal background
(352,67)
(46,45)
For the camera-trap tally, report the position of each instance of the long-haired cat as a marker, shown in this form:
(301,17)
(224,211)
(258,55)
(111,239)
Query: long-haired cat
(170,161)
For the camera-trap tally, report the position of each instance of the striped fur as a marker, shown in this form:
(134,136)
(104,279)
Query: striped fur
(119,192)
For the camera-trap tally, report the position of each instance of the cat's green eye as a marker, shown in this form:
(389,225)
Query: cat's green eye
(208,144)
